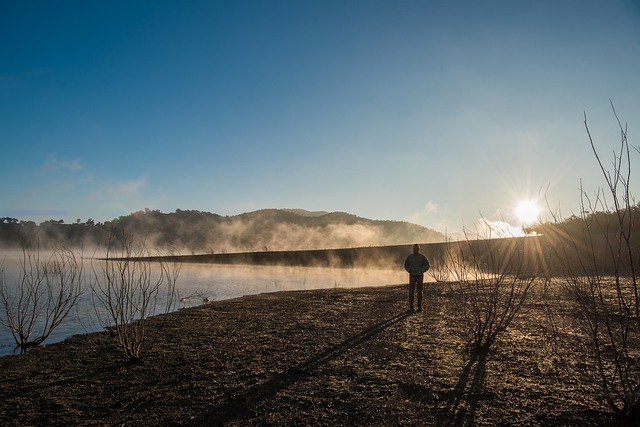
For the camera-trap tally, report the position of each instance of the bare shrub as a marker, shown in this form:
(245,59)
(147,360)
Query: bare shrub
(600,254)
(128,291)
(46,291)
(491,280)
(444,261)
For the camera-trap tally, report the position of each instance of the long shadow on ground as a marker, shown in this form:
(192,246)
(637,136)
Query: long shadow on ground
(463,401)
(236,409)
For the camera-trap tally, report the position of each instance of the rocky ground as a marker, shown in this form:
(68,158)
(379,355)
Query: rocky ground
(325,357)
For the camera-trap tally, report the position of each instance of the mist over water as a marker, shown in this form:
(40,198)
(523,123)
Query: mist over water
(211,281)
(194,232)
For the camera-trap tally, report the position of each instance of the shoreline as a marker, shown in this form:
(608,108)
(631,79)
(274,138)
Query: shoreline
(222,282)
(333,357)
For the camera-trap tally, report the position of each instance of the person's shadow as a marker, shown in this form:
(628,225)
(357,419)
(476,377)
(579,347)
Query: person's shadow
(235,408)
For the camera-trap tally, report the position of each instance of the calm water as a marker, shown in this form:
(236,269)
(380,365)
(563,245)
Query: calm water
(215,282)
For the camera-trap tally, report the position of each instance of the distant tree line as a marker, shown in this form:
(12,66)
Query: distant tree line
(15,233)
(191,231)
(593,235)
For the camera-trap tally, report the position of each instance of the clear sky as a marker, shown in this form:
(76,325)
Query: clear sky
(433,112)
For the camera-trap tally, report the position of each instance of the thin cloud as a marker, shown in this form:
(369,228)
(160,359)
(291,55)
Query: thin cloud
(424,215)
(431,207)
(127,190)
(53,164)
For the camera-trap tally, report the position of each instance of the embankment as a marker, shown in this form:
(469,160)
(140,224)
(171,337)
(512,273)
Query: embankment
(381,256)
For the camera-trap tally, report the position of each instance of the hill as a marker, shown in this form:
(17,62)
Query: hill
(190,231)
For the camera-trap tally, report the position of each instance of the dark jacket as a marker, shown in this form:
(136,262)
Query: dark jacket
(416,264)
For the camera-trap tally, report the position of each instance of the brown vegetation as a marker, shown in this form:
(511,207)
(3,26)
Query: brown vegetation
(126,293)
(43,296)
(329,357)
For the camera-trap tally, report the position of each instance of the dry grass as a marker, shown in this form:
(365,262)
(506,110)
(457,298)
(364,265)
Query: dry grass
(327,357)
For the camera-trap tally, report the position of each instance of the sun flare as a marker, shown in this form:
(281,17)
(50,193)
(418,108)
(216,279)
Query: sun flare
(527,212)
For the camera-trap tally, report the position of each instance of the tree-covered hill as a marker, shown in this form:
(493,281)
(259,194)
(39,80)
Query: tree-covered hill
(189,231)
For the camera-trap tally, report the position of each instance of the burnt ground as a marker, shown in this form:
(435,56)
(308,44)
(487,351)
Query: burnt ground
(323,357)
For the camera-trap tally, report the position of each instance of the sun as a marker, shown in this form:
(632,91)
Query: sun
(527,212)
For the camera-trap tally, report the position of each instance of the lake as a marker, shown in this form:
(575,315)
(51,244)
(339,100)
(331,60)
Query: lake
(214,282)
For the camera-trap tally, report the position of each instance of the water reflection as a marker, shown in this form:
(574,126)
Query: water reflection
(214,282)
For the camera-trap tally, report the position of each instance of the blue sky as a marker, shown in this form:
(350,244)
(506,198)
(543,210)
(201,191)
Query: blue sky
(438,113)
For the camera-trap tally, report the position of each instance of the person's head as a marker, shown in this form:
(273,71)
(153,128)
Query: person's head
(416,248)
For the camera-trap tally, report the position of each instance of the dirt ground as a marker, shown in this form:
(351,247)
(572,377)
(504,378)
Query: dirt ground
(326,357)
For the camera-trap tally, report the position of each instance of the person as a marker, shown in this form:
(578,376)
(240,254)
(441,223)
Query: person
(416,265)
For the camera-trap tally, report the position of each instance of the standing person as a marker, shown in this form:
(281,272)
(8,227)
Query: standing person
(416,265)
